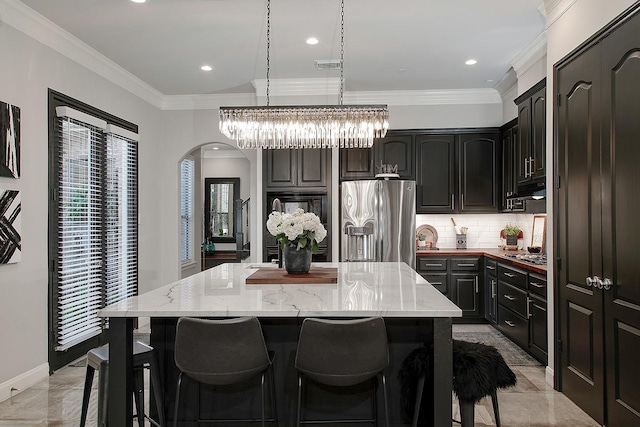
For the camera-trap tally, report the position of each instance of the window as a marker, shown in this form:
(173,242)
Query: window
(186,210)
(93,223)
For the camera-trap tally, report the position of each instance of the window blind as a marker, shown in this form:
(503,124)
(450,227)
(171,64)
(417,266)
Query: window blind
(187,177)
(97,223)
(121,192)
(80,232)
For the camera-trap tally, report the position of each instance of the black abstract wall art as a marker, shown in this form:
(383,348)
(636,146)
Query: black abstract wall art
(10,226)
(9,140)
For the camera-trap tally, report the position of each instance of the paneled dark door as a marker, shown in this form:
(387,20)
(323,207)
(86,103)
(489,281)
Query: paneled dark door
(598,211)
(620,219)
(436,182)
(579,233)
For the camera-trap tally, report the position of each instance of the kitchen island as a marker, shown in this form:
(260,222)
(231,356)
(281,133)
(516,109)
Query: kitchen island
(413,310)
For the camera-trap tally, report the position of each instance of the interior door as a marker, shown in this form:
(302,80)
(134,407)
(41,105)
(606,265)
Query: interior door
(579,233)
(621,213)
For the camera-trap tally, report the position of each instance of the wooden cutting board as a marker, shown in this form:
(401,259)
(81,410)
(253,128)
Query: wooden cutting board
(264,276)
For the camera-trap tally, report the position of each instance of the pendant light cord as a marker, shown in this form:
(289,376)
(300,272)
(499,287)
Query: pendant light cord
(268,47)
(341,50)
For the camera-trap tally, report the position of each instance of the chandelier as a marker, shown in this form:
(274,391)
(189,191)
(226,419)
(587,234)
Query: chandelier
(320,126)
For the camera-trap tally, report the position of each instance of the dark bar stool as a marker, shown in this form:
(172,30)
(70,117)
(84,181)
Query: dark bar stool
(478,371)
(343,353)
(144,356)
(223,352)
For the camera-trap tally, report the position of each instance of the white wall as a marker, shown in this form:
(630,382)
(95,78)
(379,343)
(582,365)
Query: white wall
(28,70)
(579,22)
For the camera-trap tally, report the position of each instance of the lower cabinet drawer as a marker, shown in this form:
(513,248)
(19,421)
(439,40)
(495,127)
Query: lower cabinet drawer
(438,281)
(516,327)
(512,298)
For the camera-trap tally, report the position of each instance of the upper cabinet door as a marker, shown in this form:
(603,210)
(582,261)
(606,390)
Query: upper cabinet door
(537,161)
(436,191)
(356,163)
(396,150)
(523,143)
(281,168)
(312,167)
(290,168)
(479,170)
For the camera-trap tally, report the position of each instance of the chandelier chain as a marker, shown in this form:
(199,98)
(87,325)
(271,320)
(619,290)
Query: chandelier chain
(341,51)
(268,47)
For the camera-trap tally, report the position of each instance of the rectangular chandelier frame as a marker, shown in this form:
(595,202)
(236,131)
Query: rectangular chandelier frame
(317,126)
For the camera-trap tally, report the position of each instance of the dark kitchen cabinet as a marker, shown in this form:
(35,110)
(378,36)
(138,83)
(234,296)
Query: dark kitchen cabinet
(396,149)
(459,278)
(356,163)
(458,172)
(530,147)
(522,309)
(509,137)
(308,168)
(491,290)
(597,270)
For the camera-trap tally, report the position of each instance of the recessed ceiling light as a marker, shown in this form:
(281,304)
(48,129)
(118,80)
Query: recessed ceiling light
(215,148)
(206,68)
(312,40)
(402,70)
(471,62)
(138,1)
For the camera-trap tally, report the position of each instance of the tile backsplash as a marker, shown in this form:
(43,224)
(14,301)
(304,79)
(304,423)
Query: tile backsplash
(484,229)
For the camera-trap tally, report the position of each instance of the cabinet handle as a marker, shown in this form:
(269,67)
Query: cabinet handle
(607,284)
(537,285)
(493,289)
(513,325)
(509,297)
(462,202)
(509,274)
(489,267)
(528,307)
(466,265)
(433,265)
(539,308)
(453,200)
(526,162)
(476,280)
(436,283)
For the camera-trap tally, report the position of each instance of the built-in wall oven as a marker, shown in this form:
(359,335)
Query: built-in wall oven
(289,202)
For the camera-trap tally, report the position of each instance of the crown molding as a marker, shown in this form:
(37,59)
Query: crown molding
(207,102)
(530,55)
(555,9)
(425,97)
(36,26)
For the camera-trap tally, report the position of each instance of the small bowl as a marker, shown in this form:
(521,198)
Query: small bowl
(534,249)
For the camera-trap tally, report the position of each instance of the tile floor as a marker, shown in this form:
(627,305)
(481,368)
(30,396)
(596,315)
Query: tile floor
(531,403)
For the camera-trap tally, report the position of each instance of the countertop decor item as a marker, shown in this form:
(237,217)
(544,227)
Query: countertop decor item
(430,234)
(302,126)
(298,233)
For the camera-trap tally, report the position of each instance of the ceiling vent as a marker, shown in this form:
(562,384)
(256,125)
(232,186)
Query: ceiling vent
(327,64)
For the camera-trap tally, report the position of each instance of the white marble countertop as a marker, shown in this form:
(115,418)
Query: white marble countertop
(388,289)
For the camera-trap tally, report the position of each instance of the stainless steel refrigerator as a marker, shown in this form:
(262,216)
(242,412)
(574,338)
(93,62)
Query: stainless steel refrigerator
(379,221)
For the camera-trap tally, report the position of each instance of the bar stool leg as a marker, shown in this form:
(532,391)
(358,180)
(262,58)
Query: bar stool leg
(496,412)
(156,385)
(178,388)
(384,396)
(298,419)
(467,417)
(274,406)
(138,394)
(88,382)
(103,393)
(419,391)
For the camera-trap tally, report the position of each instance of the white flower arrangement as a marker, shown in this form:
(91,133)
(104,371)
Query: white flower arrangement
(300,228)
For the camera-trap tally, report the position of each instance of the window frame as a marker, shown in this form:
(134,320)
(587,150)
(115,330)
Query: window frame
(59,359)
(187,243)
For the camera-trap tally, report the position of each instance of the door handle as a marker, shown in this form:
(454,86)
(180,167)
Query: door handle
(607,284)
(509,297)
(595,282)
(513,325)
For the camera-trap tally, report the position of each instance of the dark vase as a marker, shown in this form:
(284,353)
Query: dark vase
(297,261)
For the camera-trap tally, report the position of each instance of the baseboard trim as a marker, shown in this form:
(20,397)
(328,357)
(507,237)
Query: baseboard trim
(23,381)
(548,375)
